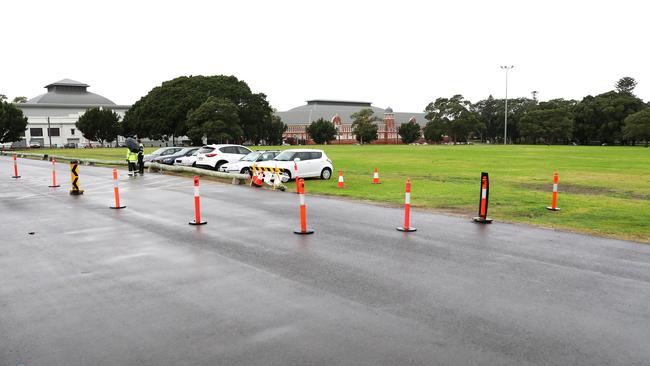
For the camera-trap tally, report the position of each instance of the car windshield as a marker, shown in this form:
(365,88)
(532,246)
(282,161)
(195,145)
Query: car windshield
(285,156)
(184,151)
(251,157)
(159,151)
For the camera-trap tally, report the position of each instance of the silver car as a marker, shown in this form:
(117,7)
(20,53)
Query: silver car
(163,151)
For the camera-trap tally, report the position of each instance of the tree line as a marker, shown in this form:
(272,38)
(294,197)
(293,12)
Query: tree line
(599,119)
(614,117)
(222,109)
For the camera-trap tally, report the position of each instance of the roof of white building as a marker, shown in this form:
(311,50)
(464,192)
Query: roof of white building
(69,92)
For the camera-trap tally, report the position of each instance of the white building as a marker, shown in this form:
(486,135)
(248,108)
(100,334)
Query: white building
(51,117)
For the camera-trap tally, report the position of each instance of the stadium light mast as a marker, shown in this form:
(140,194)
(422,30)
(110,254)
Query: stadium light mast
(505,125)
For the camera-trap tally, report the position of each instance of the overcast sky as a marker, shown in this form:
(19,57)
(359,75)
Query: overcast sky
(401,54)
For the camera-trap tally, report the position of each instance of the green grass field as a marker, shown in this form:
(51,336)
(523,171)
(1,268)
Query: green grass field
(603,190)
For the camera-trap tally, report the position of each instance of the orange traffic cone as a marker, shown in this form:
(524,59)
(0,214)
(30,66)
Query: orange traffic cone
(375,177)
(341,183)
(257,181)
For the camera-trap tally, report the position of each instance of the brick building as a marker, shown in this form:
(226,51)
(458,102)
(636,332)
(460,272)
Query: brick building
(339,113)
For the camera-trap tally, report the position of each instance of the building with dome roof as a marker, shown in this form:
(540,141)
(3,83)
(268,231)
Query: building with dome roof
(339,112)
(51,116)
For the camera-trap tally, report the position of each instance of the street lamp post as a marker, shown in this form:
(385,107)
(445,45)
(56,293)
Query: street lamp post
(505,125)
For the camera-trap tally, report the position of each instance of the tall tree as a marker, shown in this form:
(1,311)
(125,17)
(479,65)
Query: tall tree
(602,117)
(321,131)
(255,115)
(216,119)
(18,100)
(587,120)
(488,110)
(363,126)
(548,125)
(447,109)
(12,123)
(274,131)
(440,114)
(98,124)
(637,126)
(517,108)
(409,132)
(163,112)
(434,130)
(626,85)
(453,116)
(466,126)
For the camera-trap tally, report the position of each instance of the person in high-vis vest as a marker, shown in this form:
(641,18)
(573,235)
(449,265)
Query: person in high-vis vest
(132,159)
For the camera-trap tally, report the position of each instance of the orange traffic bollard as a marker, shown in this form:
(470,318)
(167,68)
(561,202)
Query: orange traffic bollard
(116,190)
(341,182)
(15,168)
(407,209)
(197,204)
(54,185)
(482,217)
(303,211)
(554,207)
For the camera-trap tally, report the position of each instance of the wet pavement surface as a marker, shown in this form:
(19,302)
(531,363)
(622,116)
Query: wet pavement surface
(139,286)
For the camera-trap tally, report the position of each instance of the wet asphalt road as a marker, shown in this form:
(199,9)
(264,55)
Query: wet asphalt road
(94,286)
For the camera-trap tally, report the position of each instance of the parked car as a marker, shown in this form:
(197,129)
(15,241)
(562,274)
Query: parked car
(70,145)
(310,163)
(163,151)
(34,144)
(189,160)
(170,159)
(243,166)
(214,156)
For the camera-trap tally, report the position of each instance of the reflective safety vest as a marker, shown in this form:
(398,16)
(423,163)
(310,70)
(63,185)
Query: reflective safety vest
(131,156)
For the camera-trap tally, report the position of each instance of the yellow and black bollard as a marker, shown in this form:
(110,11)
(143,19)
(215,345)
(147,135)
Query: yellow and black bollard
(74,170)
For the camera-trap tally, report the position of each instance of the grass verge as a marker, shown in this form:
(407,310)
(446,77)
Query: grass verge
(602,190)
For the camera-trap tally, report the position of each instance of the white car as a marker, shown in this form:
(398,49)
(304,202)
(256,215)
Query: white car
(214,156)
(187,160)
(243,166)
(310,163)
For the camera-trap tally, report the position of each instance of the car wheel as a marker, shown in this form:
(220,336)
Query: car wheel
(326,173)
(219,164)
(193,165)
(246,171)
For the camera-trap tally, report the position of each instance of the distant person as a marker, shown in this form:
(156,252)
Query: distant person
(140,157)
(132,159)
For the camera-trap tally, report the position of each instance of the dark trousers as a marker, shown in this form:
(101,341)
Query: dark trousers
(131,166)
(141,163)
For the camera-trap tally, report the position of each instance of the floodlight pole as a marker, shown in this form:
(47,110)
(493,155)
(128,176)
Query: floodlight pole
(505,125)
